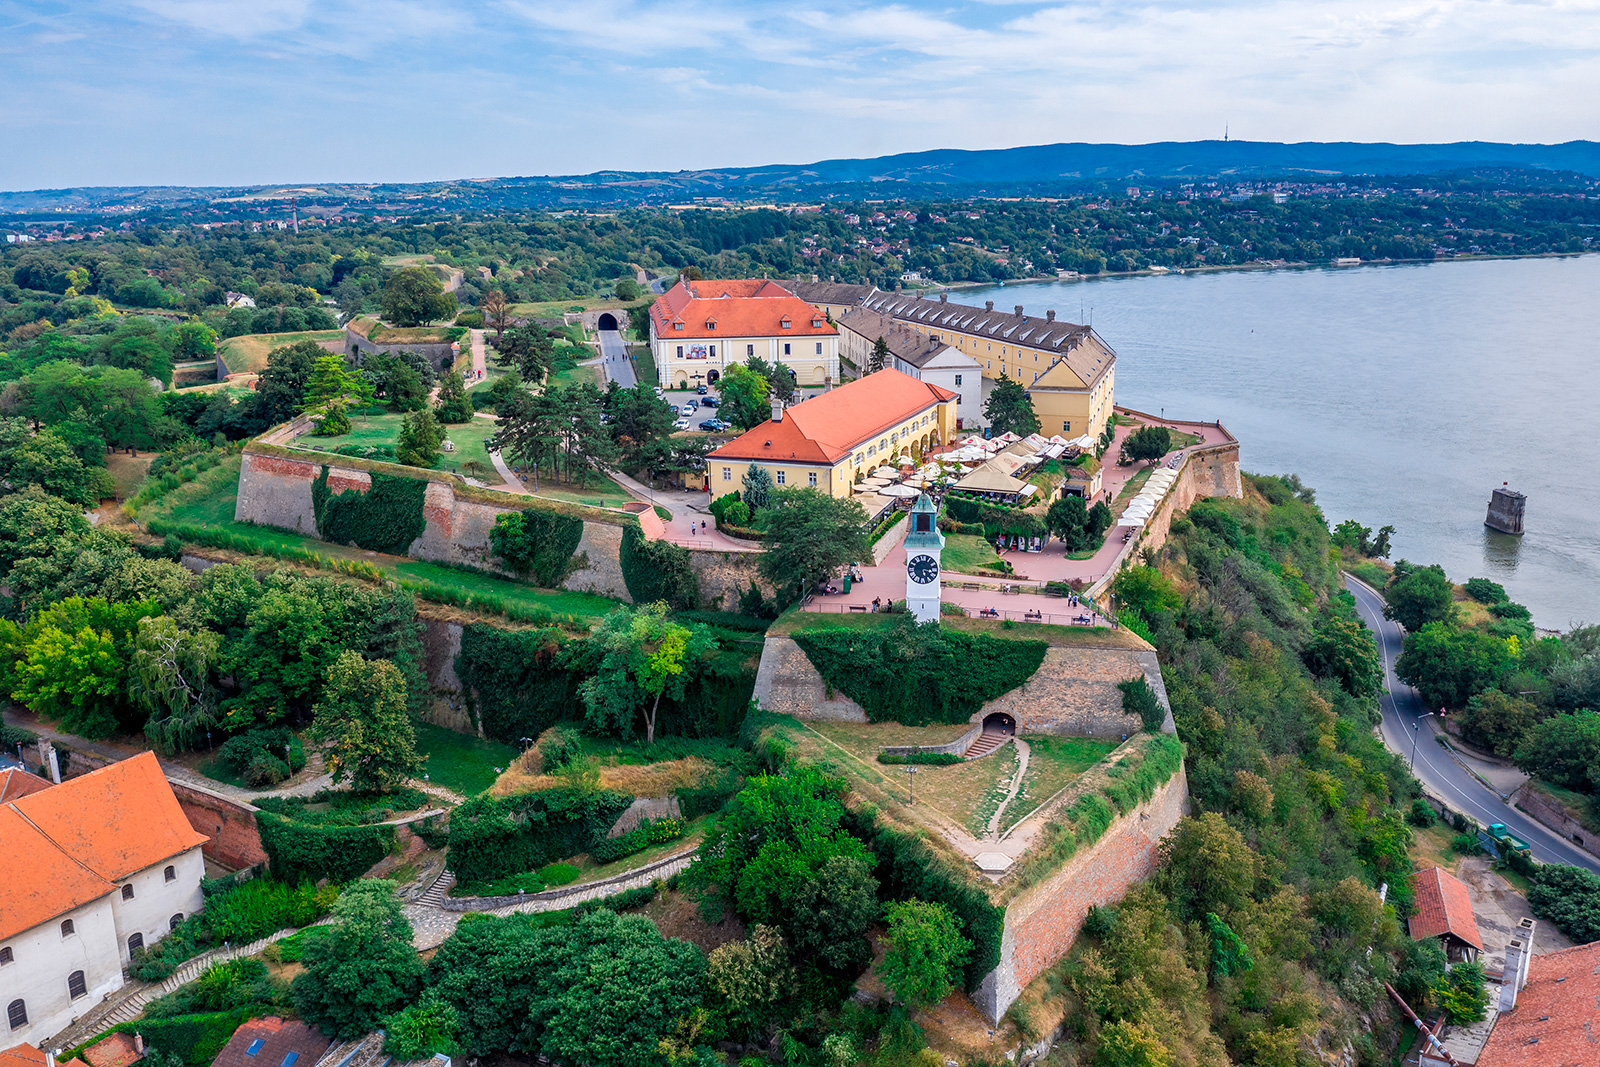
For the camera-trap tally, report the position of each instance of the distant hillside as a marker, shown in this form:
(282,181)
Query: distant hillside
(945,171)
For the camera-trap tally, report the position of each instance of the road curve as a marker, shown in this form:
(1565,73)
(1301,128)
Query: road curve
(1445,778)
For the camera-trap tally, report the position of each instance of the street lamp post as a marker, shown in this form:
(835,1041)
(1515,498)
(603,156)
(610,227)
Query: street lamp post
(911,782)
(1416,730)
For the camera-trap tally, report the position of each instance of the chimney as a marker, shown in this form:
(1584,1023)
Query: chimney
(813,279)
(777,410)
(1019,311)
(988,305)
(1050,316)
(1518,951)
(944,298)
(138,1043)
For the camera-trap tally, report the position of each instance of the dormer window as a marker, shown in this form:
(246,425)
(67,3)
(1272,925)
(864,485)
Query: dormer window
(785,323)
(677,325)
(816,324)
(711,324)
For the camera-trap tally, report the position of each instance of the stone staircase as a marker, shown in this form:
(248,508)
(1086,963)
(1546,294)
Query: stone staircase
(986,744)
(434,897)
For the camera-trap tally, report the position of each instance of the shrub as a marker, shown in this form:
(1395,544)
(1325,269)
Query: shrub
(537,543)
(386,518)
(936,759)
(491,837)
(242,751)
(265,770)
(559,874)
(648,832)
(1570,898)
(657,570)
(302,851)
(1466,844)
(1139,700)
(1484,591)
(1421,814)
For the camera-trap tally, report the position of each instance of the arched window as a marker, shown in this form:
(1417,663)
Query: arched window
(172,923)
(67,929)
(17,1014)
(76,986)
(135,943)
(127,892)
(171,874)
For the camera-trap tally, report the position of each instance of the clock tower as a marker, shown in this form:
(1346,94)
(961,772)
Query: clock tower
(924,543)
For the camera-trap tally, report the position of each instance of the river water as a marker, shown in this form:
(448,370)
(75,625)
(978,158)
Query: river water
(1401,393)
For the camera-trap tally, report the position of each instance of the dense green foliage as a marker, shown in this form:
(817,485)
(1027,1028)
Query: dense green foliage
(299,850)
(537,543)
(197,1038)
(810,537)
(236,913)
(923,952)
(917,675)
(995,518)
(1568,897)
(363,969)
(935,759)
(385,518)
(657,570)
(491,837)
(1140,701)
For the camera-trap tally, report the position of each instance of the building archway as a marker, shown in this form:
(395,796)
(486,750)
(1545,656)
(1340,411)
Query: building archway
(999,723)
(680,381)
(606,321)
(712,376)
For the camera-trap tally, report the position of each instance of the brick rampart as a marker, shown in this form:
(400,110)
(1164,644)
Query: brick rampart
(1043,922)
(234,840)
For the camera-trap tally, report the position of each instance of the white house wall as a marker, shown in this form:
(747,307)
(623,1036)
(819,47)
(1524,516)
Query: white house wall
(42,960)
(156,900)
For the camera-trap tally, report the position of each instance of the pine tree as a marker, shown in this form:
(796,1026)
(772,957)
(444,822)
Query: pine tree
(453,406)
(880,356)
(1010,409)
(420,436)
(757,488)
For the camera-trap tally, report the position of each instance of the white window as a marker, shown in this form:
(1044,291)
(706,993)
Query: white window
(780,477)
(958,381)
(811,479)
(727,474)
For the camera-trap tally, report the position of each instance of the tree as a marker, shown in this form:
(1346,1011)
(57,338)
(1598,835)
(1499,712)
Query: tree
(46,460)
(640,420)
(280,389)
(1099,520)
(744,397)
(1568,897)
(757,488)
(628,289)
(363,968)
(782,382)
(1354,536)
(880,357)
(351,297)
(72,677)
(1009,408)
(1449,666)
(194,340)
(810,536)
(923,953)
(496,311)
(414,295)
(1342,648)
(419,439)
(1463,994)
(830,911)
(644,656)
(454,405)
(1146,590)
(1125,1043)
(420,1030)
(1210,866)
(1418,596)
(328,389)
(129,415)
(171,679)
(748,980)
(1147,443)
(1498,722)
(1380,544)
(530,349)
(363,719)
(1564,750)
(1068,519)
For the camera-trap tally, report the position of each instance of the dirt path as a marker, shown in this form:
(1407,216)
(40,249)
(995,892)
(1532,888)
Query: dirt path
(1016,787)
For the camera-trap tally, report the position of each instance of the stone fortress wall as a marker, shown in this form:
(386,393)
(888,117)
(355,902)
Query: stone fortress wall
(275,490)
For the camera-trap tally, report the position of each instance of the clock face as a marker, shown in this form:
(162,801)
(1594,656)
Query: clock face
(922,569)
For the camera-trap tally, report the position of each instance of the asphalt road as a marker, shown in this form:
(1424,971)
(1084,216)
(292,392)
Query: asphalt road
(614,358)
(1445,778)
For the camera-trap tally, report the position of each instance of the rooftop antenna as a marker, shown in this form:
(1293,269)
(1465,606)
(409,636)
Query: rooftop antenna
(294,206)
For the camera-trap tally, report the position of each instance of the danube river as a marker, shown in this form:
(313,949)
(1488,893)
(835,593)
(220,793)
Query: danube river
(1402,393)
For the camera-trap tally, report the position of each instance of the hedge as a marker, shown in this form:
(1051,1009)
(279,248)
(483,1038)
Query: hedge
(657,570)
(491,837)
(937,759)
(966,509)
(301,851)
(916,675)
(386,518)
(907,868)
(1161,758)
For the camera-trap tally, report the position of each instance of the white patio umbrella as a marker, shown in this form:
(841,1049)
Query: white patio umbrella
(902,492)
(1125,521)
(885,471)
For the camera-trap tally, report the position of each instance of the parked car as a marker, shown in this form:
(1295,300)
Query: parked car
(690,409)
(710,402)
(712,425)
(681,424)
(700,389)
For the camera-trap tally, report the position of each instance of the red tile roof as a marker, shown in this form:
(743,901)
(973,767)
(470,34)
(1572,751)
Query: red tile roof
(740,307)
(23,1055)
(42,881)
(1443,906)
(15,783)
(278,1039)
(113,1050)
(117,820)
(1556,1022)
(827,428)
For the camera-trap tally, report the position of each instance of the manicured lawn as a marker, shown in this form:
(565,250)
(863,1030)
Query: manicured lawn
(963,552)
(644,363)
(560,601)
(466,764)
(601,492)
(249,351)
(381,432)
(1053,764)
(576,376)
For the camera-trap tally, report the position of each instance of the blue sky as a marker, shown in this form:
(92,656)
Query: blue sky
(217,92)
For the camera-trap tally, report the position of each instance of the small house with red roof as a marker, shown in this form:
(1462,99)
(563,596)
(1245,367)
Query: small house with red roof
(1444,911)
(825,442)
(273,1042)
(699,328)
(1553,1020)
(95,868)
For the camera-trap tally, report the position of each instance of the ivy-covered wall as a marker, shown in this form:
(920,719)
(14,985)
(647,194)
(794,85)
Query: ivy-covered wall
(658,570)
(918,675)
(491,837)
(386,518)
(301,851)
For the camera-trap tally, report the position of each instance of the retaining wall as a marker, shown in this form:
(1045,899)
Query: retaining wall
(234,839)
(958,747)
(1073,693)
(1042,923)
(357,345)
(1551,814)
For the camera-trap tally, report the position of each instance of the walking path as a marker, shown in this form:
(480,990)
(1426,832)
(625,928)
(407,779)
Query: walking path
(1016,787)
(688,510)
(480,355)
